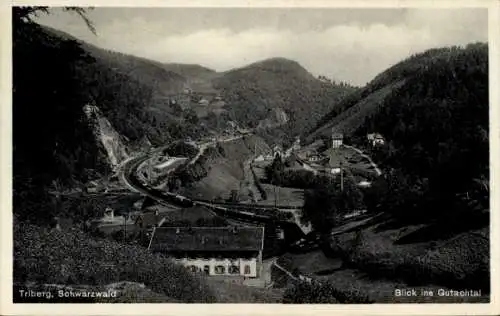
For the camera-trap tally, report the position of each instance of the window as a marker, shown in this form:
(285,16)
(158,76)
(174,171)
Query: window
(193,268)
(206,269)
(220,269)
(234,269)
(247,269)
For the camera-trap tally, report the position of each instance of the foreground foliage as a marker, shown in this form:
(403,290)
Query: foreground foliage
(45,256)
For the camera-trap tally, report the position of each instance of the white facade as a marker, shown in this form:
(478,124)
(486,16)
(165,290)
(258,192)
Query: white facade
(375,139)
(336,143)
(378,141)
(364,184)
(259,158)
(335,170)
(214,266)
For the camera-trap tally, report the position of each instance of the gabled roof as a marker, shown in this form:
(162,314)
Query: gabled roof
(147,202)
(207,239)
(148,219)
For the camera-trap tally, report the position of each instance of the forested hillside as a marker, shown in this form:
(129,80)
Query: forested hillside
(55,76)
(433,111)
(253,92)
(51,139)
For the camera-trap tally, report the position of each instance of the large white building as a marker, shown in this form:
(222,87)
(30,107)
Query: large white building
(337,140)
(229,251)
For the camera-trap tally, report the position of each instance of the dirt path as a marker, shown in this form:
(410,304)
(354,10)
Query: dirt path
(250,180)
(373,164)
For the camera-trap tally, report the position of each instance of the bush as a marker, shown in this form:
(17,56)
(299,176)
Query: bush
(51,256)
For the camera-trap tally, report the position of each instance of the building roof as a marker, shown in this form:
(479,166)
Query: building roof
(374,135)
(207,239)
(148,219)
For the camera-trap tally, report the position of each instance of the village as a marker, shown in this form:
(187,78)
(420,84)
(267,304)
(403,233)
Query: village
(234,250)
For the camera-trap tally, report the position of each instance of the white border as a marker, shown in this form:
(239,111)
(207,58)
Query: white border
(6,306)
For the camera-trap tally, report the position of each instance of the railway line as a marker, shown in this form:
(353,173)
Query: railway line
(243,213)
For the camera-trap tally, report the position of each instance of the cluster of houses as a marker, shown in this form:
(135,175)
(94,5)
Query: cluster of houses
(278,150)
(224,251)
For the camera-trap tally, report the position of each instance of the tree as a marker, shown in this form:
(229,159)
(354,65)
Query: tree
(62,151)
(320,208)
(26,14)
(191,116)
(274,171)
(326,203)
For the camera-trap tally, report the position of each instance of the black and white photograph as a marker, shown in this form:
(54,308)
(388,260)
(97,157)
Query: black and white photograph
(259,155)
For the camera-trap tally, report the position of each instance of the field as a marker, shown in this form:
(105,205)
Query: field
(312,263)
(225,172)
(283,195)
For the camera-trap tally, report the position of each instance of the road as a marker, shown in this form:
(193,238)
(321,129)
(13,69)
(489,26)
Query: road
(374,165)
(247,213)
(234,212)
(204,146)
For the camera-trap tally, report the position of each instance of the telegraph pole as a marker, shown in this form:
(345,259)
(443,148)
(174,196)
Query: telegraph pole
(341,177)
(125,228)
(149,170)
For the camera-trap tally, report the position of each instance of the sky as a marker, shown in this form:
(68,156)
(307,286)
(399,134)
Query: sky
(351,45)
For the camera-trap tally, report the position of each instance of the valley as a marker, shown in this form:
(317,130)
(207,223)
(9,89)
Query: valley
(264,183)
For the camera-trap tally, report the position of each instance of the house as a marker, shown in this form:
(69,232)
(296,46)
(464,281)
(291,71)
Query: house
(268,157)
(93,187)
(109,223)
(315,157)
(144,203)
(226,251)
(364,184)
(335,170)
(375,139)
(204,102)
(63,223)
(337,139)
(259,158)
(149,220)
(277,150)
(296,144)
